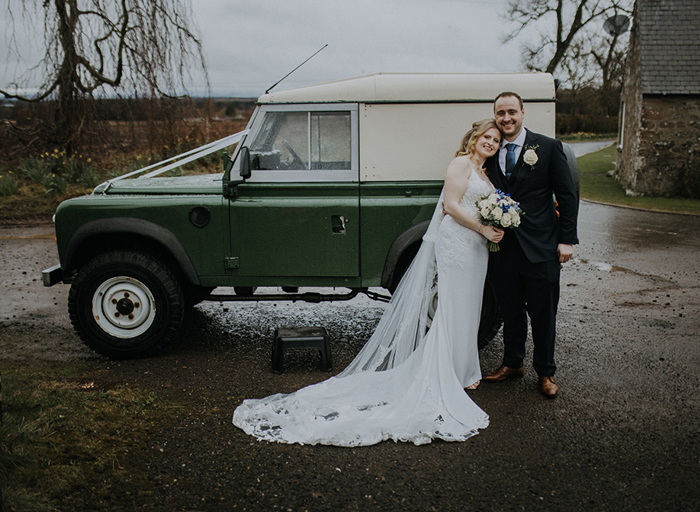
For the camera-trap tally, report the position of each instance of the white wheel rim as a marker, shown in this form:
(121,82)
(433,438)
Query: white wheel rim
(123,307)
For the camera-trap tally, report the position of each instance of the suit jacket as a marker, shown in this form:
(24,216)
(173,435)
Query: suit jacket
(540,230)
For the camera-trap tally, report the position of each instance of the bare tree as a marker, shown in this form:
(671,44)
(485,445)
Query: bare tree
(596,61)
(578,66)
(560,23)
(609,54)
(102,47)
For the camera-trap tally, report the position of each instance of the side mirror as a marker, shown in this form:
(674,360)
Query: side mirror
(244,162)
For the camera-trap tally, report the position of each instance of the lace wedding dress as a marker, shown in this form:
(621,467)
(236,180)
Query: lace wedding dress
(404,384)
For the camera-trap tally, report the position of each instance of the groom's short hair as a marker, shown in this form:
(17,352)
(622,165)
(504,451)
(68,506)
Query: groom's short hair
(508,93)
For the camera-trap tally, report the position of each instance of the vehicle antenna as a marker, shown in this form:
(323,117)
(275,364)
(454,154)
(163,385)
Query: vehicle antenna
(293,70)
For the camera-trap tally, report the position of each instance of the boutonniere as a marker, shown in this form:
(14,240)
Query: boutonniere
(530,156)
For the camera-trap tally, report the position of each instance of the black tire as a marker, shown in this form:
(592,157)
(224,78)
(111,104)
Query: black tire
(126,304)
(402,266)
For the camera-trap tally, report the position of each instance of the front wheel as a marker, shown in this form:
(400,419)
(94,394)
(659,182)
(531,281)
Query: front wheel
(126,304)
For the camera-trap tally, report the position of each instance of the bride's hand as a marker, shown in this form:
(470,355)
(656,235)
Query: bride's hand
(493,234)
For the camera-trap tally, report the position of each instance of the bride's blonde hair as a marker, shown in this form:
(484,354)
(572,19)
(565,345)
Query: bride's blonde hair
(478,129)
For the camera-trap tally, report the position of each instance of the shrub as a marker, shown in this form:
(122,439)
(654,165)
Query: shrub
(115,172)
(56,162)
(89,178)
(574,123)
(8,185)
(174,173)
(34,168)
(77,169)
(55,170)
(55,185)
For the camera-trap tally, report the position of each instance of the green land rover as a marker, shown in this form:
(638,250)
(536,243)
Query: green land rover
(329,186)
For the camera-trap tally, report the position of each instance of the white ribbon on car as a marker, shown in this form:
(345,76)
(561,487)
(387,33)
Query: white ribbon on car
(184,158)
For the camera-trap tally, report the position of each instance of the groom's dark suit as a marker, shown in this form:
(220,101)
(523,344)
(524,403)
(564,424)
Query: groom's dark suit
(525,272)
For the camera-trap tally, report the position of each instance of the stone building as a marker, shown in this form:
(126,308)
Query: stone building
(659,135)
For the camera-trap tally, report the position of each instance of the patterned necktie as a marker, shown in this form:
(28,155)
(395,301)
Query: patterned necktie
(510,159)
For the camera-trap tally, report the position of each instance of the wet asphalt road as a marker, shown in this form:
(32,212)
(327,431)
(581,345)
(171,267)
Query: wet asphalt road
(623,435)
(583,148)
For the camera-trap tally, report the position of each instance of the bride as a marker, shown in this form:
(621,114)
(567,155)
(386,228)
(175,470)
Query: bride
(406,384)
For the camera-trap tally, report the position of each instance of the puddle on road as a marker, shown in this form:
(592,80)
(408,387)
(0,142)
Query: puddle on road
(605,267)
(608,267)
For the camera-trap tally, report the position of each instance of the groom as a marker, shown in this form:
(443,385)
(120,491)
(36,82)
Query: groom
(525,272)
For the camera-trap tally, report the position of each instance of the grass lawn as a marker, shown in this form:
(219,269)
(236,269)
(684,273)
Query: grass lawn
(65,440)
(596,185)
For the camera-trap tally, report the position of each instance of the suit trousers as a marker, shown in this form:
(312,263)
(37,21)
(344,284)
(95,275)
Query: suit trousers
(526,289)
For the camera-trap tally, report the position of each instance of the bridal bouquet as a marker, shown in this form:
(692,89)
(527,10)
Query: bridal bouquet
(499,210)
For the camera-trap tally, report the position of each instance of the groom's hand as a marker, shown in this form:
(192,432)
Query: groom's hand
(566,252)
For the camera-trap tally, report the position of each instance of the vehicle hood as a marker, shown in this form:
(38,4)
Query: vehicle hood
(202,184)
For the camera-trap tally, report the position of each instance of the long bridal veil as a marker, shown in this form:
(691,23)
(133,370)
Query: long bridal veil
(401,385)
(402,327)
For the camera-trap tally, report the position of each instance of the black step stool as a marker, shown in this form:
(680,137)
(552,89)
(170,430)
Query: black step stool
(301,337)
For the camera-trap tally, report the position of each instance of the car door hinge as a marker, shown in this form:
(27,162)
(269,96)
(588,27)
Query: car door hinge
(231,262)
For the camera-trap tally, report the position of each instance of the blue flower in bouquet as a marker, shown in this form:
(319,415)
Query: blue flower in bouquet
(499,210)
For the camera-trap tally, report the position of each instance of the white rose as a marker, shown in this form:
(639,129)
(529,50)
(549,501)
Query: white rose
(530,157)
(483,204)
(493,200)
(506,220)
(497,213)
(485,212)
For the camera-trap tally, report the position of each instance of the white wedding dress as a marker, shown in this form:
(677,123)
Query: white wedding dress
(404,384)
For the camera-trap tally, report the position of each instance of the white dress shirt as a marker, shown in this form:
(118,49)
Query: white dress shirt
(519,143)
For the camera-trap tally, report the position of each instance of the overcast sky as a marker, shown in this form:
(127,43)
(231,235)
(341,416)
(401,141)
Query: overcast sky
(250,45)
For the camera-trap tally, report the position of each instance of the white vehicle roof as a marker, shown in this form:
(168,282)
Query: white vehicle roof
(420,88)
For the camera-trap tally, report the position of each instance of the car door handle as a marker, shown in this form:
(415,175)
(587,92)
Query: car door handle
(338,223)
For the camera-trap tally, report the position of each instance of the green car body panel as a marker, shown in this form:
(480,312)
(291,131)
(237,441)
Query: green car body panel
(280,233)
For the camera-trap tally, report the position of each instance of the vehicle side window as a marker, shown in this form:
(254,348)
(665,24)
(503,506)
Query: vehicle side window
(303,141)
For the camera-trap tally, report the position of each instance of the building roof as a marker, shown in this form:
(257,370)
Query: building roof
(421,88)
(669,46)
